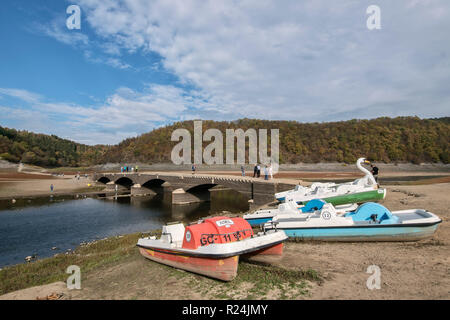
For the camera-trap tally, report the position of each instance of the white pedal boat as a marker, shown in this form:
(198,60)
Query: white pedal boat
(290,207)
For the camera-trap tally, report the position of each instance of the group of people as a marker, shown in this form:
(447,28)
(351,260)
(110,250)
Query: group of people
(128,169)
(268,171)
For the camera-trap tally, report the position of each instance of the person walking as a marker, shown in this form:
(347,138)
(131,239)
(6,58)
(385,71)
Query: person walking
(266,173)
(193,169)
(136,169)
(258,171)
(243,171)
(255,170)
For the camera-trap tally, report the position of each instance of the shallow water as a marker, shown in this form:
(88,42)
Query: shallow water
(34,226)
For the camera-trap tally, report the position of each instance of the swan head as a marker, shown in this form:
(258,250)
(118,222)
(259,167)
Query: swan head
(363,161)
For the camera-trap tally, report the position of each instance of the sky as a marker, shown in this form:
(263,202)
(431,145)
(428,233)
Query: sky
(135,65)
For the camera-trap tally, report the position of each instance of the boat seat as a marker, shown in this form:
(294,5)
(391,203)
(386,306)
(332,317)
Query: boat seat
(370,211)
(173,233)
(313,205)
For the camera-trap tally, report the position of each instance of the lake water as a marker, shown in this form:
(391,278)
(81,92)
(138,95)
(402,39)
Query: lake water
(34,226)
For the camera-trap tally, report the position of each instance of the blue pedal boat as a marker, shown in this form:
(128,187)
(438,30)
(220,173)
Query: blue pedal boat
(262,216)
(370,222)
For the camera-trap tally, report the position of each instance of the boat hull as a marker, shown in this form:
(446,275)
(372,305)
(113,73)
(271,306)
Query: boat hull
(358,233)
(258,221)
(223,269)
(359,197)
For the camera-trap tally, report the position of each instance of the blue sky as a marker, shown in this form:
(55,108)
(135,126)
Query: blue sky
(136,65)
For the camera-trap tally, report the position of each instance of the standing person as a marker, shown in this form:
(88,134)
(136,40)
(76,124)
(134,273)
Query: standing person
(243,171)
(258,171)
(271,171)
(266,173)
(121,169)
(136,169)
(255,170)
(193,168)
(375,172)
(51,188)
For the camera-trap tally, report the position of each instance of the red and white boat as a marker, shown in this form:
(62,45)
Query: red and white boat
(210,247)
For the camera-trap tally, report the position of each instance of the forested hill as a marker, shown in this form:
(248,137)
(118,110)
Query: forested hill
(402,139)
(46,150)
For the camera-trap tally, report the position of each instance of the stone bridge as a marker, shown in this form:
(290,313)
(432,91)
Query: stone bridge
(182,188)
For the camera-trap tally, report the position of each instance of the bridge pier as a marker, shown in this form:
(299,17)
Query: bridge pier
(111,186)
(138,190)
(179,196)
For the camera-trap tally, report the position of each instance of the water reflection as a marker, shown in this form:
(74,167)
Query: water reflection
(34,226)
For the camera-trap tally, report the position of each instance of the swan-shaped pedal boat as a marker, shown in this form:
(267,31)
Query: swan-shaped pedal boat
(358,191)
(211,246)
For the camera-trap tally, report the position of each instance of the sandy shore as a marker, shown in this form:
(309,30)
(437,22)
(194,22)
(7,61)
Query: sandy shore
(14,185)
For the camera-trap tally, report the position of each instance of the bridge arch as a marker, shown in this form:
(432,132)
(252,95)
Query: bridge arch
(156,185)
(125,182)
(104,180)
(204,192)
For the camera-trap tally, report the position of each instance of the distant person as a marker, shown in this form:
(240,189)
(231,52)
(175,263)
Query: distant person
(375,172)
(51,188)
(121,169)
(258,171)
(136,169)
(243,171)
(266,173)
(193,169)
(255,171)
(271,171)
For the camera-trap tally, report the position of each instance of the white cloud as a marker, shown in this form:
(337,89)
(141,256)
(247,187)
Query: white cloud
(123,113)
(303,60)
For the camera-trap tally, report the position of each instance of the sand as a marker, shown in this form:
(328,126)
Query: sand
(14,185)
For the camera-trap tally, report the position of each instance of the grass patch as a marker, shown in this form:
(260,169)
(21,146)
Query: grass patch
(254,281)
(87,257)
